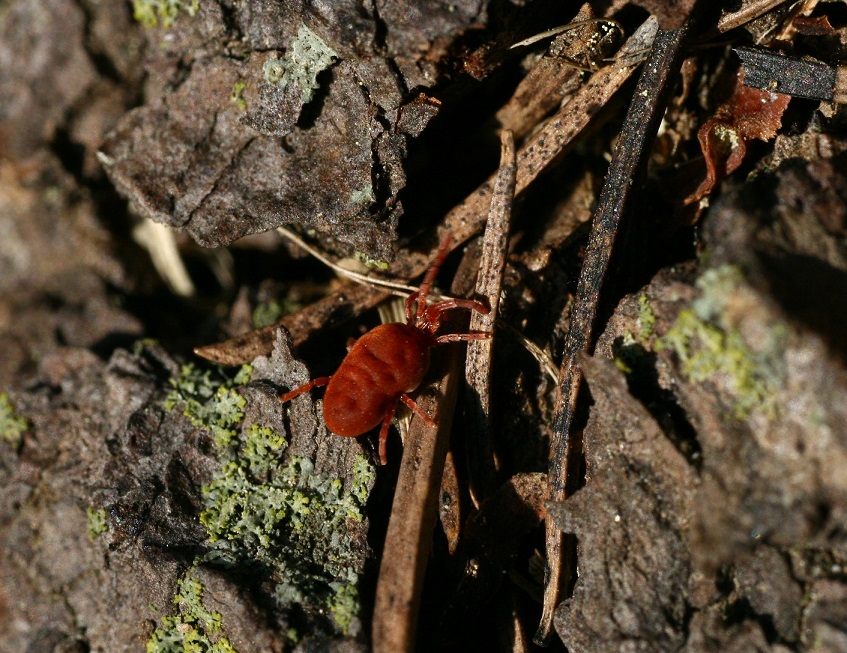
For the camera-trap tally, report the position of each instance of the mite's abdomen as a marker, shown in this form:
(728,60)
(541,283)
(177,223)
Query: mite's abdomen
(384,363)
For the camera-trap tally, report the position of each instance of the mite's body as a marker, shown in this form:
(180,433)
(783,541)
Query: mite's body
(386,363)
(383,364)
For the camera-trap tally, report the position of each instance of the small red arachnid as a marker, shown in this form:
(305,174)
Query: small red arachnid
(386,363)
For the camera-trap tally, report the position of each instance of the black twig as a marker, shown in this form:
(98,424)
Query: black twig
(804,77)
(625,171)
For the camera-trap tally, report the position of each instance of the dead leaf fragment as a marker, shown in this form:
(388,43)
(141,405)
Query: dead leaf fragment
(749,114)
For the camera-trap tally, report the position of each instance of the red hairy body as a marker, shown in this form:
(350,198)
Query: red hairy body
(383,364)
(386,363)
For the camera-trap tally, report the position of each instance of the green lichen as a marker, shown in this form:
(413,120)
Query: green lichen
(273,71)
(709,349)
(364,476)
(286,516)
(237,95)
(364,195)
(141,344)
(261,450)
(370,262)
(307,57)
(190,600)
(717,286)
(646,318)
(344,605)
(96,524)
(706,351)
(209,400)
(12,426)
(267,313)
(151,12)
(264,508)
(623,365)
(195,629)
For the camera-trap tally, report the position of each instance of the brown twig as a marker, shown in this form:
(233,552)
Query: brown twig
(625,171)
(328,312)
(408,540)
(488,285)
(416,497)
(463,221)
(749,10)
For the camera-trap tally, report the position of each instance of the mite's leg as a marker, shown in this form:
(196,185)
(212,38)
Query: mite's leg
(406,399)
(383,434)
(429,278)
(410,304)
(432,316)
(447,304)
(314,383)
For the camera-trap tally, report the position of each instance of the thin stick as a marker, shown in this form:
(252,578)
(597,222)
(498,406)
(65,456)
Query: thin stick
(478,363)
(625,171)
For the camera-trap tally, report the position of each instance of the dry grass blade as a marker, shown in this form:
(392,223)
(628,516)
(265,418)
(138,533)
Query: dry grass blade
(802,8)
(396,288)
(545,364)
(488,285)
(160,243)
(627,166)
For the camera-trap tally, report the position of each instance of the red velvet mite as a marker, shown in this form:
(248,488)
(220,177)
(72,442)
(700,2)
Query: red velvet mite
(386,363)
